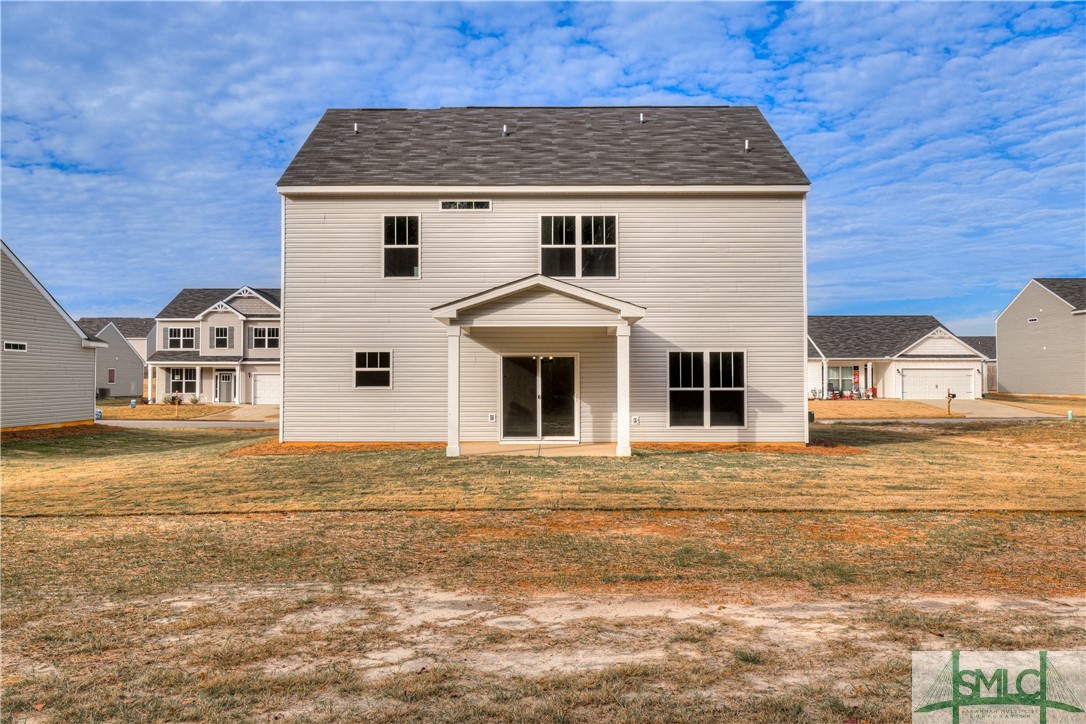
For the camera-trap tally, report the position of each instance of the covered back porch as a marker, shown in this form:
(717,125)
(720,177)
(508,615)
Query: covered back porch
(538,363)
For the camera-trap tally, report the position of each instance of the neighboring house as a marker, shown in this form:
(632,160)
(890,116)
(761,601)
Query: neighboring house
(135,330)
(217,345)
(987,347)
(1041,337)
(908,357)
(544,274)
(120,367)
(47,367)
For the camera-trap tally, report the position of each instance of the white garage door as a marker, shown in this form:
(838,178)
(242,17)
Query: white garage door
(924,384)
(265,389)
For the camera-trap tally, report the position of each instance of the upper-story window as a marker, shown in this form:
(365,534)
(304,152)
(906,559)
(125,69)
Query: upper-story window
(585,246)
(465,206)
(220,338)
(180,338)
(401,246)
(266,337)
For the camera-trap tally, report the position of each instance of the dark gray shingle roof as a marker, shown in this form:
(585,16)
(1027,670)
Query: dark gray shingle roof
(129,326)
(1070,289)
(188,355)
(546,146)
(864,336)
(984,345)
(190,302)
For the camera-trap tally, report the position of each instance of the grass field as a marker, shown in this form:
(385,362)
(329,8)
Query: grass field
(1054,405)
(524,609)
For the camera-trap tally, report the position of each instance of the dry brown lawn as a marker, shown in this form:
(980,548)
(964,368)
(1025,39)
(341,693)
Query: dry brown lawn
(117,408)
(1054,405)
(532,615)
(875,410)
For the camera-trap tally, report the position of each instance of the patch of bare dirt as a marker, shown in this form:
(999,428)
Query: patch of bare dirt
(51,432)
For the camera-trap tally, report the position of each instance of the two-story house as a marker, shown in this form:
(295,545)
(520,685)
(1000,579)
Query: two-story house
(217,345)
(1041,339)
(544,275)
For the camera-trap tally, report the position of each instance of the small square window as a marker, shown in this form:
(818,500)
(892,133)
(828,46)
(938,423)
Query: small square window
(373,369)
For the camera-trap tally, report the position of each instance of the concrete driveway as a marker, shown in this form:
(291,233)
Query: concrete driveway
(245,413)
(988,410)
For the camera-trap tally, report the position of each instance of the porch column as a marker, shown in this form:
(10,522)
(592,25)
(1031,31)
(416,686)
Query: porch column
(622,334)
(199,382)
(150,389)
(160,387)
(237,385)
(452,448)
(825,378)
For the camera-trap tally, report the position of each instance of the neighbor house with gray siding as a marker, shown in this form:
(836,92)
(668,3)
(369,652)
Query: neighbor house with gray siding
(47,368)
(121,371)
(1041,339)
(217,345)
(544,275)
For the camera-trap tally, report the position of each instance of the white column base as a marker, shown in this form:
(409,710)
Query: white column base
(623,451)
(452,451)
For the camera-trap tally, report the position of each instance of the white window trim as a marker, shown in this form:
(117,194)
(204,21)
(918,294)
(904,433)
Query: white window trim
(25,347)
(184,372)
(395,246)
(579,243)
(487,210)
(706,388)
(215,338)
(181,337)
(262,328)
(389,369)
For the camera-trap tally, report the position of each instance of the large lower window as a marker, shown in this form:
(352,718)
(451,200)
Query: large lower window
(221,337)
(183,380)
(373,369)
(839,379)
(585,249)
(180,338)
(694,401)
(401,246)
(266,337)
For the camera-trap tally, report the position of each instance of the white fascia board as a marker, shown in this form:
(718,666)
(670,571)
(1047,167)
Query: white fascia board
(46,294)
(817,348)
(699,190)
(932,332)
(255,293)
(212,308)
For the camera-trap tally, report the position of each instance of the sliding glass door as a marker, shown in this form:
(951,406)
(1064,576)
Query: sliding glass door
(539,397)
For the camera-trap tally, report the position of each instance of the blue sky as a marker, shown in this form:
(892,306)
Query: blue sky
(946,142)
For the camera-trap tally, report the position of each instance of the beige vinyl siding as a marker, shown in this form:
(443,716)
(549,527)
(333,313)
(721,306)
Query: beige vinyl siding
(715,273)
(252,305)
(261,352)
(936,346)
(221,319)
(164,331)
(1047,357)
(51,382)
(121,357)
(140,345)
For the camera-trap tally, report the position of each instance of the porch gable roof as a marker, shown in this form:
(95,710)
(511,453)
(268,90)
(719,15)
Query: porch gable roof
(623,310)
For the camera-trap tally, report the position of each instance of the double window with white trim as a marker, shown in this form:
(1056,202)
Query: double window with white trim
(220,338)
(578,246)
(265,337)
(183,379)
(180,338)
(707,389)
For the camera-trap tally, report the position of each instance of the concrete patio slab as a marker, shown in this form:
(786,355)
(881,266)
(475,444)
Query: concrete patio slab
(540,450)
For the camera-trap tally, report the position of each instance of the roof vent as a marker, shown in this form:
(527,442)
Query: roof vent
(505,130)
(746,145)
(356,129)
(641,120)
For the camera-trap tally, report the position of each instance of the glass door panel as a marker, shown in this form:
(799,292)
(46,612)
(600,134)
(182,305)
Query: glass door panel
(557,404)
(519,404)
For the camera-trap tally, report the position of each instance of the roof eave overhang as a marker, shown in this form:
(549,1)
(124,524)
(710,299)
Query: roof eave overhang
(581,190)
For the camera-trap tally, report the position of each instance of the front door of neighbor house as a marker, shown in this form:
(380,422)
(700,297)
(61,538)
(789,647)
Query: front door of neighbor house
(539,397)
(224,387)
